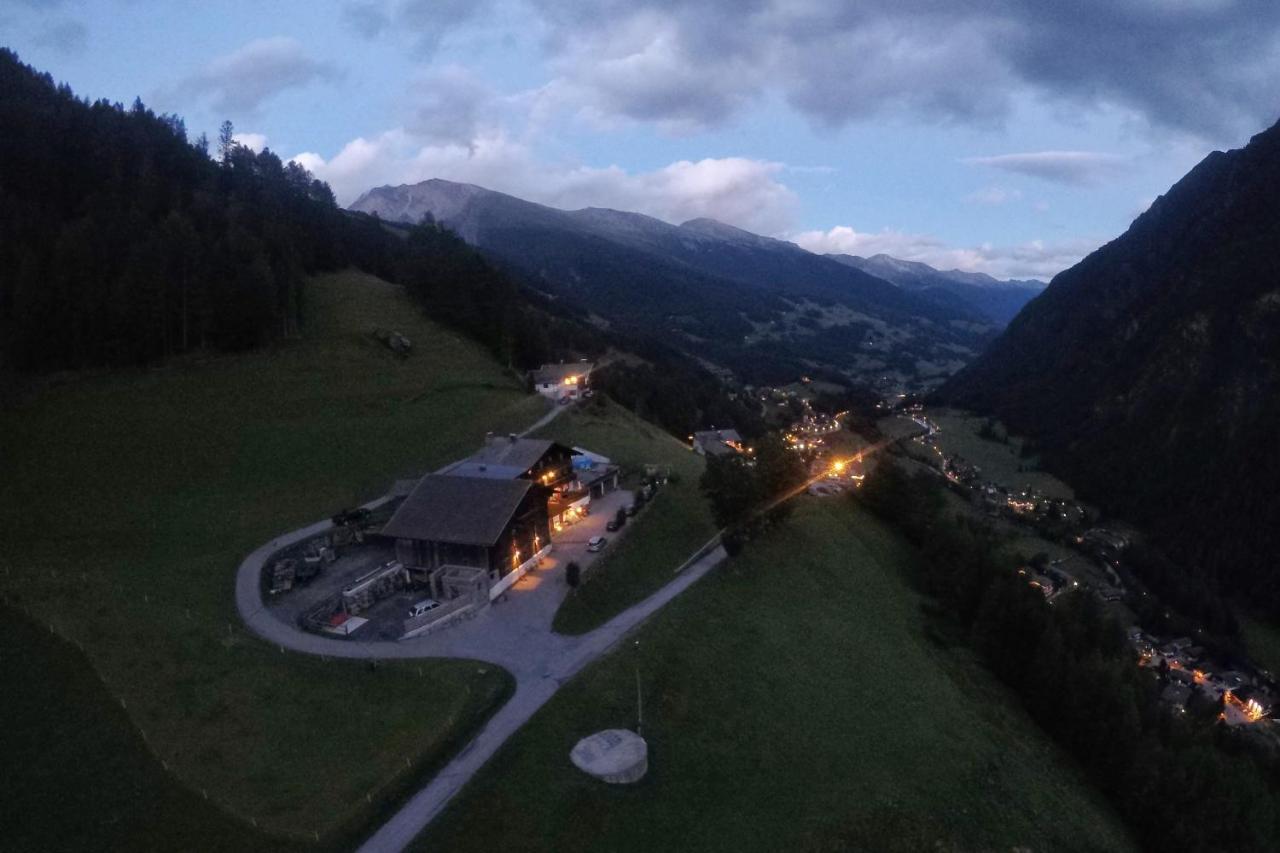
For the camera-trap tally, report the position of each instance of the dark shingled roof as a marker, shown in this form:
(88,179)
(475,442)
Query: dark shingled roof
(557,372)
(714,441)
(461,510)
(501,452)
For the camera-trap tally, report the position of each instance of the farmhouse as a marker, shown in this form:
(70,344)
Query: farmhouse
(481,532)
(470,530)
(717,442)
(570,475)
(510,457)
(563,382)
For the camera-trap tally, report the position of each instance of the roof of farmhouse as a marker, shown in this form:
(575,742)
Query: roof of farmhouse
(501,456)
(717,435)
(461,510)
(559,372)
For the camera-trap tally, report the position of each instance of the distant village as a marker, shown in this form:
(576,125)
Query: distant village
(1187,672)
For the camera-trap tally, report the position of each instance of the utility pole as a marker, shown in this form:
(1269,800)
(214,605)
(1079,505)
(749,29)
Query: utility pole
(639,696)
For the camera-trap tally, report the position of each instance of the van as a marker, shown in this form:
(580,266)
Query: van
(426,605)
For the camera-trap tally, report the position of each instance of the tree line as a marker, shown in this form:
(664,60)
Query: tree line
(744,491)
(1181,782)
(124,242)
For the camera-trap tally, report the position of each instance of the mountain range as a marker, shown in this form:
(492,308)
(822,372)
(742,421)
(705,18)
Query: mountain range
(1149,373)
(761,308)
(997,300)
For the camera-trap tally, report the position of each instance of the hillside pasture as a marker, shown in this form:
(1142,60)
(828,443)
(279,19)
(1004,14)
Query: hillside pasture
(128,499)
(793,700)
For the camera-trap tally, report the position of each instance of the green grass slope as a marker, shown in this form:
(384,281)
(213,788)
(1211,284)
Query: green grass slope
(791,702)
(958,432)
(660,538)
(127,501)
(78,776)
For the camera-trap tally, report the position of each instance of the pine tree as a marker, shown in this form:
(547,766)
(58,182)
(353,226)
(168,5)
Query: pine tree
(226,141)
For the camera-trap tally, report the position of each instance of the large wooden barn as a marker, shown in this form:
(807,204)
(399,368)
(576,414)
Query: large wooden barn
(498,525)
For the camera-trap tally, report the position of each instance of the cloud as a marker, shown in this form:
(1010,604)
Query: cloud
(1036,259)
(368,18)
(239,83)
(1199,66)
(65,37)
(993,196)
(427,21)
(449,105)
(252,141)
(1078,168)
(736,190)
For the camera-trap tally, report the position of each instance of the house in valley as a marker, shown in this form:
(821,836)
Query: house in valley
(562,382)
(717,442)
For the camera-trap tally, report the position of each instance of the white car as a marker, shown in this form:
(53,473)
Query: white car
(596,543)
(424,606)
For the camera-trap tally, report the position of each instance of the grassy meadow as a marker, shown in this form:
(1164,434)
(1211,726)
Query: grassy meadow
(999,461)
(792,701)
(128,499)
(667,531)
(85,780)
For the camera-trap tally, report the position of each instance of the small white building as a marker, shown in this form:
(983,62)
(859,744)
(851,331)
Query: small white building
(563,381)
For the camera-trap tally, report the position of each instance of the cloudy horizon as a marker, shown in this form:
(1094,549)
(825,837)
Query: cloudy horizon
(1010,141)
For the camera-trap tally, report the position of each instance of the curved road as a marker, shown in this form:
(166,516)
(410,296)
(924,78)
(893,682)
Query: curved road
(515,635)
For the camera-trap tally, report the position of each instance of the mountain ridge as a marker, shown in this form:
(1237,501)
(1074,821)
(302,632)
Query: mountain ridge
(999,301)
(1150,371)
(733,297)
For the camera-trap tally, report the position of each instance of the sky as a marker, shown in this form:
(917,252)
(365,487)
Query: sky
(1003,136)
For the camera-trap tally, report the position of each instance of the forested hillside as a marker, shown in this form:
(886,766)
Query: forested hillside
(124,242)
(121,241)
(1149,373)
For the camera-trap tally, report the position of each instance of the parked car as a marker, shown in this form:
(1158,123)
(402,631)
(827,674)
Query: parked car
(596,543)
(611,525)
(632,509)
(426,605)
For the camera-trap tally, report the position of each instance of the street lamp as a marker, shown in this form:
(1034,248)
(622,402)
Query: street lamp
(639,696)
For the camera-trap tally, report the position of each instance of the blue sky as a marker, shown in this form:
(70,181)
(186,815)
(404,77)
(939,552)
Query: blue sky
(1006,136)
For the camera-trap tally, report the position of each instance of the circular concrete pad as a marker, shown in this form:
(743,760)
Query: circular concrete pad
(616,756)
